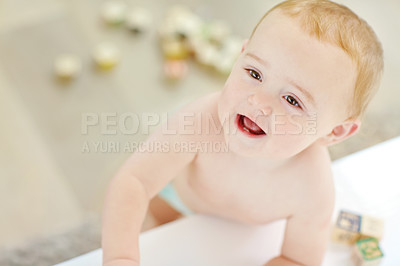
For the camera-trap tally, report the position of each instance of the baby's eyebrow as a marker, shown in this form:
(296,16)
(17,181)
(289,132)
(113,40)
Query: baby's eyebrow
(262,61)
(308,95)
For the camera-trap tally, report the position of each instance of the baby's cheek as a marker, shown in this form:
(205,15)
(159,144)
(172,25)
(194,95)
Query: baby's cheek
(285,125)
(322,125)
(232,97)
(291,140)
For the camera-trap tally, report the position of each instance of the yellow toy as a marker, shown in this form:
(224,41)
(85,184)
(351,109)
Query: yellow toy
(106,56)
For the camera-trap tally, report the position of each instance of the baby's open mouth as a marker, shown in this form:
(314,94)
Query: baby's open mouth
(248,126)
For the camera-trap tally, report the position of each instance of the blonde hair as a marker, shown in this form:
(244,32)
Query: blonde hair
(338,25)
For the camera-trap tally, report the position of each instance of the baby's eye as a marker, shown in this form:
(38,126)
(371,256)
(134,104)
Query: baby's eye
(292,101)
(254,74)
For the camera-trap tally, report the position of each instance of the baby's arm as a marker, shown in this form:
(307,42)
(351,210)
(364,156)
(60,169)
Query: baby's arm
(129,193)
(305,242)
(307,230)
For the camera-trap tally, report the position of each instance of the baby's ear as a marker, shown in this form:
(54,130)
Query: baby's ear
(342,131)
(244,45)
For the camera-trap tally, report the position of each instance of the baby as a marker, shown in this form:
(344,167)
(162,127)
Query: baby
(300,84)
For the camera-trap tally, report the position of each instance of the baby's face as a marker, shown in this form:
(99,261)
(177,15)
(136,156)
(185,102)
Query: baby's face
(286,91)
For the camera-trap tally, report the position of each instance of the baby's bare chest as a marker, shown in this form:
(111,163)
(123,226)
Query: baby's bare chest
(237,189)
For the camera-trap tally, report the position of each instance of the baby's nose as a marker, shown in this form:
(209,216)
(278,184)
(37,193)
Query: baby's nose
(261,103)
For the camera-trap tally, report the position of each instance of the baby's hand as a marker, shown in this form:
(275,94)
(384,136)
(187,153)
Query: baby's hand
(121,262)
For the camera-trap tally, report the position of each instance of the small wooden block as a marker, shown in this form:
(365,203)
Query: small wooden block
(114,12)
(225,64)
(174,49)
(367,252)
(106,56)
(207,54)
(371,227)
(67,67)
(175,69)
(218,31)
(347,228)
(138,20)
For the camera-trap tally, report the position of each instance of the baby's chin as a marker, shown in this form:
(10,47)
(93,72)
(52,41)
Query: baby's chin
(244,146)
(261,148)
(249,152)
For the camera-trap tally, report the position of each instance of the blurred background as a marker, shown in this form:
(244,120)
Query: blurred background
(51,187)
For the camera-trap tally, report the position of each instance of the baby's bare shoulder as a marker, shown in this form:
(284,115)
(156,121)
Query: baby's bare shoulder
(206,103)
(202,115)
(187,122)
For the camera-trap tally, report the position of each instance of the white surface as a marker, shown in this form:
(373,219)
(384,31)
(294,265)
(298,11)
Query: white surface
(200,240)
(366,182)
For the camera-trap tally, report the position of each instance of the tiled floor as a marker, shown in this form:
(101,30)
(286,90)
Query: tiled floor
(46,183)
